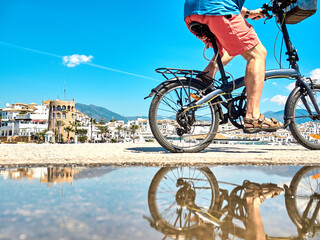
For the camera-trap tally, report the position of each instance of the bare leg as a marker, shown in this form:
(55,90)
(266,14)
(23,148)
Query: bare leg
(254,78)
(254,224)
(212,67)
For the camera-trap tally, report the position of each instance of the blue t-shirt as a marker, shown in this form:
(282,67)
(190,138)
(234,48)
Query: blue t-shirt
(212,7)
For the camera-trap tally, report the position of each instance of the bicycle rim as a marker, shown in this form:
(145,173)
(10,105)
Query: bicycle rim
(166,198)
(168,130)
(304,185)
(304,127)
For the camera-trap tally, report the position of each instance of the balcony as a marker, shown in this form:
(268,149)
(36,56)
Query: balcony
(23,116)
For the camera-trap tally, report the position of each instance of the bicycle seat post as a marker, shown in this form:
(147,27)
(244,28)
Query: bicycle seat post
(200,30)
(213,41)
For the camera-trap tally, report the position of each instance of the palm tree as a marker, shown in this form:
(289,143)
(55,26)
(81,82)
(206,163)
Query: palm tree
(103,130)
(119,128)
(134,128)
(69,129)
(59,123)
(74,125)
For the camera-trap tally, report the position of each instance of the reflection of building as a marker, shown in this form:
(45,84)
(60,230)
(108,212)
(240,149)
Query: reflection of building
(46,175)
(58,175)
(19,173)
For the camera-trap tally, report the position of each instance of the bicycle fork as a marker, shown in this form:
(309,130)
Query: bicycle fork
(302,85)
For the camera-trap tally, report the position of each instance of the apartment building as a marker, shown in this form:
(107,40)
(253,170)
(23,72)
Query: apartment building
(19,122)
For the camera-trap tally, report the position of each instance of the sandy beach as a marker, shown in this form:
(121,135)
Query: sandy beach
(151,154)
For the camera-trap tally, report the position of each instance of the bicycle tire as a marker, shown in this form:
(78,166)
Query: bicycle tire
(163,179)
(301,183)
(303,128)
(207,118)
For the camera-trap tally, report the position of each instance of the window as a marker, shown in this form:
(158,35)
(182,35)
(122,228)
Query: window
(63,108)
(58,115)
(59,108)
(68,108)
(63,116)
(53,115)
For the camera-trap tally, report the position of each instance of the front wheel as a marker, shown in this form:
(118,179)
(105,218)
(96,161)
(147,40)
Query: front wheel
(177,127)
(305,123)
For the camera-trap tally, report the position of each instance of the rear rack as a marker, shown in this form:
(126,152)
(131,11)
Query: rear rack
(176,72)
(167,73)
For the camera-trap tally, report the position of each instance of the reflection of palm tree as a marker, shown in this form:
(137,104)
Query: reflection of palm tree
(119,128)
(134,128)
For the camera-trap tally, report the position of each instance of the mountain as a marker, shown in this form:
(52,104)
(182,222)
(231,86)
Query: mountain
(276,115)
(98,112)
(279,116)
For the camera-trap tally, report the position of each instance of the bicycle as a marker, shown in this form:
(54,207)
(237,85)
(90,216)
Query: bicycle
(185,113)
(188,203)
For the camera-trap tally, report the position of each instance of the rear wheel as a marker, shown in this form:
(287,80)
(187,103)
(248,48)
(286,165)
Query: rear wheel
(305,122)
(177,127)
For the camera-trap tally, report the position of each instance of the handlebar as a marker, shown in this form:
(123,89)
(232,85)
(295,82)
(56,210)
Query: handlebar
(276,7)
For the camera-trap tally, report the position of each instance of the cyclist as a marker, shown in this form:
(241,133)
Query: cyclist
(235,36)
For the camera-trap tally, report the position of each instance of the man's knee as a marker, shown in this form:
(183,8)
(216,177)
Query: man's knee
(262,51)
(259,52)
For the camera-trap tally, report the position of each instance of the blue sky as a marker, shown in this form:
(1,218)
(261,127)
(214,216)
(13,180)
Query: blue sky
(116,45)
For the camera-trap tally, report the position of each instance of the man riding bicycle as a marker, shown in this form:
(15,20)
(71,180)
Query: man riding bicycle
(235,36)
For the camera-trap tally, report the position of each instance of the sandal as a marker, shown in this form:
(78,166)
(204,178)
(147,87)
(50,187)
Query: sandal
(262,191)
(252,125)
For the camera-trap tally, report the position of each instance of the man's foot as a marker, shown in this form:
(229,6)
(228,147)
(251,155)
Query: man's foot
(262,191)
(252,125)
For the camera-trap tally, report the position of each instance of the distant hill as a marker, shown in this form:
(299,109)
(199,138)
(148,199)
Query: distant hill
(97,113)
(279,116)
(276,115)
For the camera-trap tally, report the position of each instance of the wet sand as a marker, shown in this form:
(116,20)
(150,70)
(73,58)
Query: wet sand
(151,154)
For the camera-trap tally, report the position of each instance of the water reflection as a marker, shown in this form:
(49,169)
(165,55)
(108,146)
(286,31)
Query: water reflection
(189,203)
(49,175)
(178,203)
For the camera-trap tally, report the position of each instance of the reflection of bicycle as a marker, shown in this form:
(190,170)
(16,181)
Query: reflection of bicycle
(303,200)
(187,203)
(184,113)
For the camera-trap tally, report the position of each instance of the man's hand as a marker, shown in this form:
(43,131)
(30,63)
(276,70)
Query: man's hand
(256,14)
(252,14)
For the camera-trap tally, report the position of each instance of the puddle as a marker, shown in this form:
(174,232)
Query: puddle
(158,203)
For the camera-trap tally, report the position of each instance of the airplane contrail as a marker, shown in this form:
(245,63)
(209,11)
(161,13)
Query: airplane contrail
(87,63)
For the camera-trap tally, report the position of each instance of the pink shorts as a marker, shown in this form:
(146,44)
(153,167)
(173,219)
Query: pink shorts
(234,35)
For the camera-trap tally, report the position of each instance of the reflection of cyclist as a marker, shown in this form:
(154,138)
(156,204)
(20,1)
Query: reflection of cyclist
(255,194)
(235,36)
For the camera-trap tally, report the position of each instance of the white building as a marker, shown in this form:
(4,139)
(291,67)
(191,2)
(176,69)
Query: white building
(20,119)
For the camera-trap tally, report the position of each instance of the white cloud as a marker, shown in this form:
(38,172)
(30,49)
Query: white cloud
(291,86)
(76,59)
(279,99)
(315,74)
(264,100)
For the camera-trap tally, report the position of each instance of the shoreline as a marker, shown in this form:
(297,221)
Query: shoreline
(151,154)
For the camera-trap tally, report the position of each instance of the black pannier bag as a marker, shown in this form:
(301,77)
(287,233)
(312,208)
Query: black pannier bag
(302,9)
